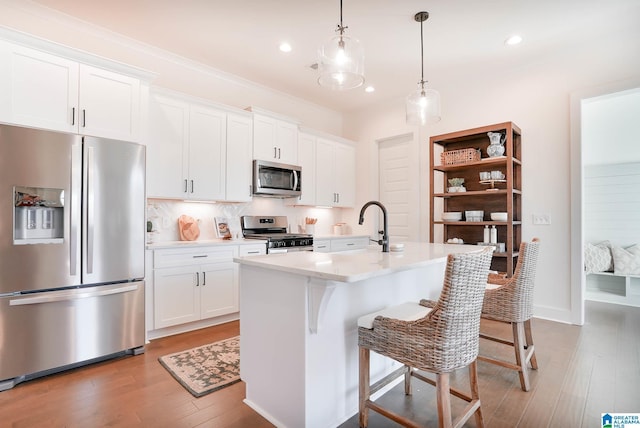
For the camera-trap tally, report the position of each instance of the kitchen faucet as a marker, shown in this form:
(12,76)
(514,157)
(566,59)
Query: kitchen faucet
(384,232)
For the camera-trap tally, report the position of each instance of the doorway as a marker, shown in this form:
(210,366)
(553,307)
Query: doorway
(578,152)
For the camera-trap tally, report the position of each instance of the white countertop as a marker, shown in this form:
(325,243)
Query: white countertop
(356,265)
(202,243)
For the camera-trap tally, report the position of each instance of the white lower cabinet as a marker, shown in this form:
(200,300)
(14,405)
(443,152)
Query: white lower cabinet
(194,284)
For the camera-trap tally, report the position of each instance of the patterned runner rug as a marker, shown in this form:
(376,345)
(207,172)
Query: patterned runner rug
(207,368)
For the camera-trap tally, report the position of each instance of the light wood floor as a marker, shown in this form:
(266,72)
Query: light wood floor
(584,371)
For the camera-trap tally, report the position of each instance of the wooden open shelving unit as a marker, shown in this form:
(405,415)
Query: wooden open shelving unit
(487,195)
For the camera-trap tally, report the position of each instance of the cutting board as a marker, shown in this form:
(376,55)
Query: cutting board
(188,228)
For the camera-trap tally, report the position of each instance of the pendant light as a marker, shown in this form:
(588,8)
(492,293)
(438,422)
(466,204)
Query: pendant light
(341,61)
(423,106)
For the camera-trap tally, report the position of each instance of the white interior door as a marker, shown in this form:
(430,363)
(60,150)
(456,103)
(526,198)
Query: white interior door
(398,165)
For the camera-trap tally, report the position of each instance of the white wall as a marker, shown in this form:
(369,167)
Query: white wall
(536,97)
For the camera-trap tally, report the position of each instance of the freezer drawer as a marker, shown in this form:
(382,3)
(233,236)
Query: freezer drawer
(49,330)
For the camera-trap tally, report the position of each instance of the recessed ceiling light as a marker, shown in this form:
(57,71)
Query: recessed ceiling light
(285,47)
(369,89)
(513,40)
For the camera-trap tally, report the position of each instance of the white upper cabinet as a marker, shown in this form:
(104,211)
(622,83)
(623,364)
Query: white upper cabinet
(109,104)
(167,148)
(197,151)
(335,174)
(275,140)
(207,154)
(307,160)
(43,90)
(239,142)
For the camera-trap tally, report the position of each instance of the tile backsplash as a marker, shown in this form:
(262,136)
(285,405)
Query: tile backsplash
(164,214)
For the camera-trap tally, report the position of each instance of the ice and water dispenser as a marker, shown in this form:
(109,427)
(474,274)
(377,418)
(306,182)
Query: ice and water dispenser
(38,215)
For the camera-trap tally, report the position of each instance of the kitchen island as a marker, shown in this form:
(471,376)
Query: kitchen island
(298,324)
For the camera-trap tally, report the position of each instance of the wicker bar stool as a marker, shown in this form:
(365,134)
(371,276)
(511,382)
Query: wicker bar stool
(445,338)
(510,300)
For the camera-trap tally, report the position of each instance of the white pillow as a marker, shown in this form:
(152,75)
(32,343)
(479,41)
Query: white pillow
(597,258)
(627,260)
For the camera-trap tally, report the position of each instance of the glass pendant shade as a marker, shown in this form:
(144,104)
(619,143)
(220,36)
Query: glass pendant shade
(423,106)
(341,63)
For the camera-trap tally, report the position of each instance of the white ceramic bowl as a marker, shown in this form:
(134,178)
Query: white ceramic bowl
(452,216)
(499,216)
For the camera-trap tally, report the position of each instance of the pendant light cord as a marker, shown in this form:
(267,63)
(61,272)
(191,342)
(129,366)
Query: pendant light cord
(421,54)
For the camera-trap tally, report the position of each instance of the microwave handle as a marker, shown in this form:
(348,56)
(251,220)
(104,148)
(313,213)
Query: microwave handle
(295,180)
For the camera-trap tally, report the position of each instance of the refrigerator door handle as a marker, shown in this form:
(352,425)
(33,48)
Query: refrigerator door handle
(90,208)
(65,295)
(76,153)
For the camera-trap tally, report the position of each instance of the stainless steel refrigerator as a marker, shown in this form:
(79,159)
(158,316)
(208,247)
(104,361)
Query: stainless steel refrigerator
(72,236)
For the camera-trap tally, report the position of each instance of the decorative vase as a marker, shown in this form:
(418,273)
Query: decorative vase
(496,148)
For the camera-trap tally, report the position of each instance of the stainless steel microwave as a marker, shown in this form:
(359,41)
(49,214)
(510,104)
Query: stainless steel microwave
(276,180)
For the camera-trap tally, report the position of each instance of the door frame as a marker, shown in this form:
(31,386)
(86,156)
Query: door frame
(578,279)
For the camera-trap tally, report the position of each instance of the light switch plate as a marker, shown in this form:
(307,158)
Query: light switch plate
(542,219)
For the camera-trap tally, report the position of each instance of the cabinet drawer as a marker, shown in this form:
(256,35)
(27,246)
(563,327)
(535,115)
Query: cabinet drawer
(322,246)
(192,256)
(349,244)
(252,250)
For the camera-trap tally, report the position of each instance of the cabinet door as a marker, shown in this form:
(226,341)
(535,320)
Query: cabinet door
(275,140)
(307,160)
(218,290)
(325,167)
(176,296)
(207,153)
(287,142)
(167,148)
(264,138)
(109,104)
(345,175)
(38,89)
(239,140)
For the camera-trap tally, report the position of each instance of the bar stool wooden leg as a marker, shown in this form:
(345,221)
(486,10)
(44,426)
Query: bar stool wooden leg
(444,400)
(521,360)
(529,337)
(364,386)
(475,395)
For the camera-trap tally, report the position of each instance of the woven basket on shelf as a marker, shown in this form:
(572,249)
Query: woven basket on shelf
(453,157)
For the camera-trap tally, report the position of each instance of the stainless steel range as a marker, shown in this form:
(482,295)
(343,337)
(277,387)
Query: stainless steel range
(273,229)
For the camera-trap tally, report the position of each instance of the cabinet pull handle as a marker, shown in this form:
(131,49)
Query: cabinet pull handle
(84,118)
(253,252)
(204,279)
(338,197)
(73,116)
(197,279)
(191,186)
(200,256)
(275,152)
(278,152)
(185,185)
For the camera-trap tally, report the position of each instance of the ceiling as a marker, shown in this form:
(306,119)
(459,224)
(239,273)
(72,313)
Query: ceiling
(241,37)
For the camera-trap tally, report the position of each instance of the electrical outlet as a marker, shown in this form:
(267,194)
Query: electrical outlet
(542,219)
